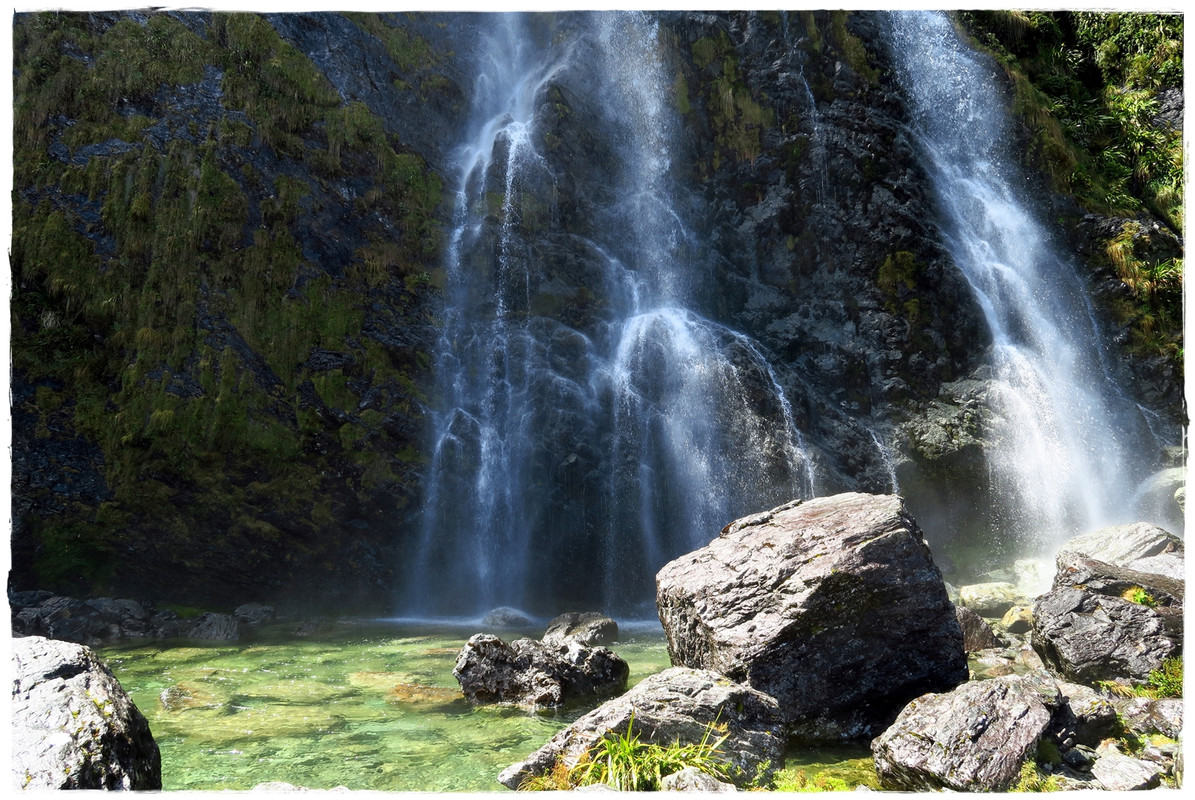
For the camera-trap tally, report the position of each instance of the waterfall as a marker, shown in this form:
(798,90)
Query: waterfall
(580,439)
(1065,442)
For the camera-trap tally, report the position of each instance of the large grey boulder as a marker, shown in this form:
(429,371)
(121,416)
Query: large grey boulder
(73,726)
(974,738)
(534,674)
(587,628)
(833,606)
(1087,637)
(676,705)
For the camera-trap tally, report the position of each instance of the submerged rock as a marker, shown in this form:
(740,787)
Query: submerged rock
(73,726)
(534,674)
(585,628)
(974,738)
(833,606)
(676,705)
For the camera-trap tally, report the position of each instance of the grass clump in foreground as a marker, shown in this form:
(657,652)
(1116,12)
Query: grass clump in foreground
(627,764)
(1166,681)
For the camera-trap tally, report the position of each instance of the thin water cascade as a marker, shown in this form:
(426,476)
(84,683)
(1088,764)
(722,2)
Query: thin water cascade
(1066,443)
(574,453)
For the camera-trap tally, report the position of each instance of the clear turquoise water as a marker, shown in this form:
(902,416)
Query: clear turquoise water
(366,706)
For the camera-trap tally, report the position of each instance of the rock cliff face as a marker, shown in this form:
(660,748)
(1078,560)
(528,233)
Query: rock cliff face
(228,239)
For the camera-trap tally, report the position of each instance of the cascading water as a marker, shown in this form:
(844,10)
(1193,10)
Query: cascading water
(581,441)
(1065,454)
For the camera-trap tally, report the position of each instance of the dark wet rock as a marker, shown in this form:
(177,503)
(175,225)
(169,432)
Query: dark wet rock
(833,606)
(585,628)
(73,726)
(676,705)
(1085,718)
(1075,570)
(974,738)
(534,674)
(1088,637)
(977,634)
(255,614)
(217,627)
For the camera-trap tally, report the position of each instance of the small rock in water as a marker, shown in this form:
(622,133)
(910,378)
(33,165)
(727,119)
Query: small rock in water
(506,617)
(991,599)
(587,629)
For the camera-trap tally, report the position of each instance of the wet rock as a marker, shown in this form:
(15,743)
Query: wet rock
(506,617)
(216,627)
(833,606)
(73,726)
(534,674)
(586,629)
(1018,619)
(991,599)
(676,705)
(977,634)
(1089,637)
(974,738)
(254,614)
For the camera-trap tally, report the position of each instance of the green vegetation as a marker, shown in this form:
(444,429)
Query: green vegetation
(1089,87)
(625,763)
(163,307)
(738,117)
(1166,681)
(1136,594)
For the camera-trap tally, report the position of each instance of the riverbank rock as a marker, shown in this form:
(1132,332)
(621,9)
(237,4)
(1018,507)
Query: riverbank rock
(534,674)
(676,705)
(1088,637)
(104,620)
(832,606)
(73,726)
(587,629)
(974,738)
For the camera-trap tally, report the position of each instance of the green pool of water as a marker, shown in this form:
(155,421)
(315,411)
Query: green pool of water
(363,705)
(367,706)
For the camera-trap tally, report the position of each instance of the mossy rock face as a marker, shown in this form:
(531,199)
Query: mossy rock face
(181,249)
